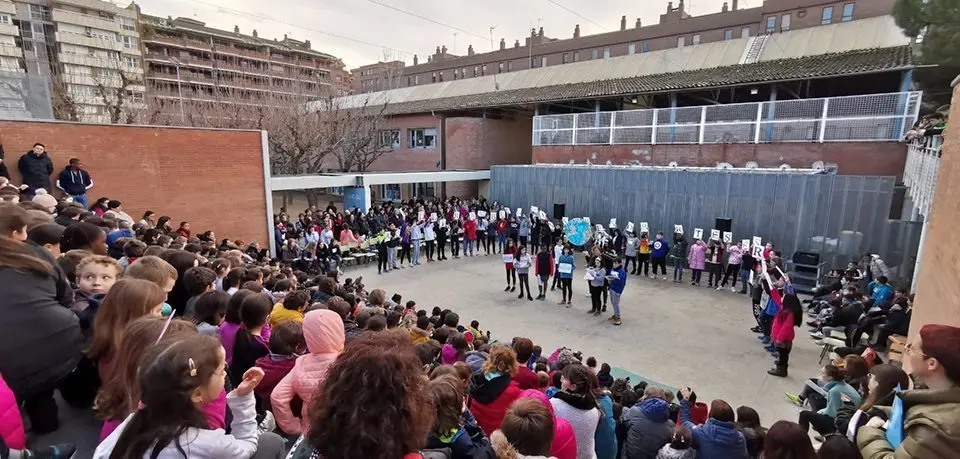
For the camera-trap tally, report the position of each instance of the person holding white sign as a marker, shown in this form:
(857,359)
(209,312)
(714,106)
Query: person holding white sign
(678,255)
(442,231)
(698,260)
(456,232)
(524,231)
(566,264)
(733,265)
(469,236)
(430,238)
(618,281)
(482,225)
(416,235)
(522,263)
(508,253)
(714,263)
(596,279)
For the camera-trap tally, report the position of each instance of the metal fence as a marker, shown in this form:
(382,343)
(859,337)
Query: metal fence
(920,175)
(837,216)
(876,117)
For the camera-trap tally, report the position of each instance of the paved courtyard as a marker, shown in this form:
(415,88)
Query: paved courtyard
(675,334)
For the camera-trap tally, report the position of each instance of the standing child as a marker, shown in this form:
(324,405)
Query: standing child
(454,426)
(502,226)
(508,259)
(469,236)
(698,261)
(618,281)
(253,337)
(643,249)
(714,263)
(543,269)
(566,264)
(630,251)
(175,382)
(380,241)
(442,231)
(658,256)
(522,264)
(416,235)
(482,225)
(596,279)
(456,230)
(678,253)
(733,265)
(430,237)
(286,344)
(557,252)
(492,235)
(782,334)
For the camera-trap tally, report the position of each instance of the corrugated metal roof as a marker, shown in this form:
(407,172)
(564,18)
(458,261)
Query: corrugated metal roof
(645,72)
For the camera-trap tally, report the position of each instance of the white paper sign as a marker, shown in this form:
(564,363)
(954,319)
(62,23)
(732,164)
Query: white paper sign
(472,216)
(456,215)
(519,211)
(565,268)
(507,210)
(728,237)
(534,210)
(543,215)
(433,216)
(715,234)
(757,241)
(502,214)
(678,229)
(564,220)
(508,258)
(551,225)
(757,251)
(613,222)
(745,243)
(629,227)
(586,219)
(481,213)
(599,228)
(443,223)
(698,233)
(420,215)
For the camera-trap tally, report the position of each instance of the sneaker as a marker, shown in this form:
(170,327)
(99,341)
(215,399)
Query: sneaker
(756,329)
(765,339)
(60,451)
(604,309)
(569,305)
(653,277)
(596,314)
(590,311)
(507,289)
(612,318)
(719,288)
(770,348)
(819,438)
(529,298)
(617,321)
(268,424)
(817,335)
(520,296)
(513,289)
(693,283)
(733,290)
(664,278)
(794,398)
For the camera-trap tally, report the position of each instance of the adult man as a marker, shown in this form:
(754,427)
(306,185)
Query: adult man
(74,181)
(35,168)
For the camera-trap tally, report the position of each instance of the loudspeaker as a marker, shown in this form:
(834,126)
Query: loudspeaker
(724,225)
(559,211)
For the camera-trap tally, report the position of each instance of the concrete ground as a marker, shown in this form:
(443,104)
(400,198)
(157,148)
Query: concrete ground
(675,334)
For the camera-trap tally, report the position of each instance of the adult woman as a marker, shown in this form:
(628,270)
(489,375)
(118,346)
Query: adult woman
(42,339)
(148,219)
(84,236)
(787,440)
(100,207)
(931,417)
(836,388)
(577,404)
(492,390)
(163,224)
(719,437)
(373,403)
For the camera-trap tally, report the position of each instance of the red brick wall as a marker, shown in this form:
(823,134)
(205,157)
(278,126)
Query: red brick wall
(871,158)
(213,179)
(478,143)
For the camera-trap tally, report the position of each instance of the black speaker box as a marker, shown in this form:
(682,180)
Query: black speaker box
(724,225)
(559,211)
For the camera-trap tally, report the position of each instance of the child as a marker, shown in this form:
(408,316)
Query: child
(323,333)
(291,308)
(698,261)
(175,381)
(527,431)
(221,266)
(508,262)
(253,337)
(454,426)
(455,350)
(643,250)
(47,236)
(680,446)
(286,344)
(132,250)
(119,397)
(522,264)
(782,334)
(565,266)
(678,253)
(128,299)
(210,309)
(96,274)
(153,269)
(197,281)
(231,322)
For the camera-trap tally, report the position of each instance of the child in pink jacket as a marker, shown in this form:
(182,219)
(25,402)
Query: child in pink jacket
(323,332)
(11,425)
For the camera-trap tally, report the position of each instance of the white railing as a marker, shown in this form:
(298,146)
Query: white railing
(868,118)
(920,175)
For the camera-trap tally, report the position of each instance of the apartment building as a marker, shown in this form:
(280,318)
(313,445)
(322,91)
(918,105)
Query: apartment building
(186,61)
(377,77)
(12,71)
(676,28)
(88,51)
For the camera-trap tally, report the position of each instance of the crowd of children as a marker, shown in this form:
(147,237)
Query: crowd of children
(188,347)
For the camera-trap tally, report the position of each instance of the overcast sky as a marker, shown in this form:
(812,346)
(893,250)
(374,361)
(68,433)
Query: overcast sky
(360,31)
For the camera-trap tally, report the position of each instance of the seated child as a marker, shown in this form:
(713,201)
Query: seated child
(252,338)
(454,426)
(209,311)
(47,236)
(95,275)
(132,250)
(197,281)
(291,307)
(286,344)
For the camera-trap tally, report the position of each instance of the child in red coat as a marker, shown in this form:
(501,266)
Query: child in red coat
(782,333)
(286,344)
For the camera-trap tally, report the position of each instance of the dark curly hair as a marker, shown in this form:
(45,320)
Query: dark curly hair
(377,383)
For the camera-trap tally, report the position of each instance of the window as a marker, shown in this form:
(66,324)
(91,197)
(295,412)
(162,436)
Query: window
(576,56)
(463,73)
(644,47)
(696,39)
(509,66)
(827,15)
(632,49)
(483,69)
(441,76)
(728,34)
(135,96)
(434,77)
(39,12)
(390,138)
(595,54)
(563,58)
(543,61)
(745,32)
(131,61)
(476,70)
(681,41)
(37,29)
(129,42)
(390,192)
(455,73)
(500,67)
(606,53)
(25,30)
(533,62)
(5,19)
(771,24)
(847,12)
(128,24)
(409,81)
(423,138)
(785,22)
(416,80)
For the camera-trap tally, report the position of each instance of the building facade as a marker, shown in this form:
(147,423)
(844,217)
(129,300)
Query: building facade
(186,61)
(377,77)
(676,28)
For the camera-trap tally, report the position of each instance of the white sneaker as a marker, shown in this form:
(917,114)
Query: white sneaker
(268,424)
(817,335)
(733,289)
(664,278)
(719,287)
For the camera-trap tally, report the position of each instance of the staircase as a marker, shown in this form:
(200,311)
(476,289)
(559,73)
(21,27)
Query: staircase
(754,48)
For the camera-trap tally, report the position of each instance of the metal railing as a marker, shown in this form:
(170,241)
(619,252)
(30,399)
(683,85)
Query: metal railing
(920,174)
(868,118)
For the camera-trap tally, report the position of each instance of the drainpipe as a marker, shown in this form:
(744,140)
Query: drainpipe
(442,138)
(916,267)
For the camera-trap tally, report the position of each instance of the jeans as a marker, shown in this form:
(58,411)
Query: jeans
(697,274)
(596,294)
(391,258)
(416,251)
(615,299)
(455,247)
(678,269)
(80,199)
(467,246)
(502,239)
(744,279)
(566,288)
(511,277)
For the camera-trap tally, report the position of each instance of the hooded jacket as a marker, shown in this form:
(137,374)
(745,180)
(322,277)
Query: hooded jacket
(467,442)
(11,425)
(491,394)
(931,427)
(605,439)
(564,444)
(648,427)
(584,417)
(74,182)
(716,439)
(505,450)
(35,170)
(323,332)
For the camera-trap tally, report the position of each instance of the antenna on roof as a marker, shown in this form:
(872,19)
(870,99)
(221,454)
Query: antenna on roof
(496,84)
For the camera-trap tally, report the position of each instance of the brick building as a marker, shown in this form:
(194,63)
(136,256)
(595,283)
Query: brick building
(376,77)
(675,29)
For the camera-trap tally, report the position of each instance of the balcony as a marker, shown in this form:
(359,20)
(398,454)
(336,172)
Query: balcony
(98,42)
(9,30)
(81,59)
(86,20)
(920,174)
(10,50)
(98,5)
(869,118)
(178,41)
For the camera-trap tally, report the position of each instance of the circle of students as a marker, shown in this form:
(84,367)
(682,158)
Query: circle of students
(185,347)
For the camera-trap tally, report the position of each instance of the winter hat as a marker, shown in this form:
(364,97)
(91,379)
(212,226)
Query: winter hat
(45,199)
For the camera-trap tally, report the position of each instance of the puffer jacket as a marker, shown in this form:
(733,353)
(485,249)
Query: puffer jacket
(490,399)
(323,332)
(11,426)
(931,427)
(605,439)
(698,255)
(717,439)
(648,427)
(564,444)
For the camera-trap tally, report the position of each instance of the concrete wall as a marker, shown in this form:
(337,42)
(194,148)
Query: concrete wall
(213,179)
(853,158)
(938,292)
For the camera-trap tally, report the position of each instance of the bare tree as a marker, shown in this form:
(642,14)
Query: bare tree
(113,88)
(65,106)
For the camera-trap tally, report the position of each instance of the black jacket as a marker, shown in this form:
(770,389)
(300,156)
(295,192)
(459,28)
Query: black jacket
(36,170)
(74,182)
(3,165)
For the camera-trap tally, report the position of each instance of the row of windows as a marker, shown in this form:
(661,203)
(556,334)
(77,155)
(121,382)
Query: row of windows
(826,17)
(422,138)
